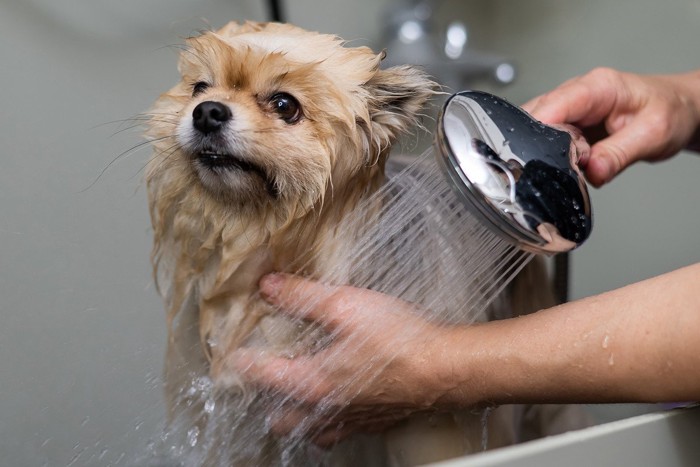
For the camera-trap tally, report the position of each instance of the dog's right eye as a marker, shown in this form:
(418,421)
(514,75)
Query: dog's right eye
(199,88)
(286,106)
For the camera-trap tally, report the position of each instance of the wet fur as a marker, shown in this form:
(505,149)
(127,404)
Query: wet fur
(216,243)
(216,235)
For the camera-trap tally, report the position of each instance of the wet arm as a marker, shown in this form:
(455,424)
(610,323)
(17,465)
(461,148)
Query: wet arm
(638,343)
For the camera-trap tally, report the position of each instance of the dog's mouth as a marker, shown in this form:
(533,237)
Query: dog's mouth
(224,162)
(218,160)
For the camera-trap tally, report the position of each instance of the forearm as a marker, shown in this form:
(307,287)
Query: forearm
(638,343)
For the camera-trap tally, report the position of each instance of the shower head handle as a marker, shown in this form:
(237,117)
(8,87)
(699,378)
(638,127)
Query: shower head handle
(519,176)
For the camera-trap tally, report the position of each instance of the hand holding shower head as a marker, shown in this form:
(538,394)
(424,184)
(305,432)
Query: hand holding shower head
(519,176)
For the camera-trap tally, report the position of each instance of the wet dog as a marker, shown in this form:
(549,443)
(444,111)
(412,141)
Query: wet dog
(273,135)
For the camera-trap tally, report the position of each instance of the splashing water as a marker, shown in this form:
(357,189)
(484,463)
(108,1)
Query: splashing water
(412,239)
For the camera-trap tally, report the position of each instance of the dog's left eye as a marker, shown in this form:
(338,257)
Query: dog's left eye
(286,106)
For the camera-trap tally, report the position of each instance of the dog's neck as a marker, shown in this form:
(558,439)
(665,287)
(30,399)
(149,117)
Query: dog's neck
(216,253)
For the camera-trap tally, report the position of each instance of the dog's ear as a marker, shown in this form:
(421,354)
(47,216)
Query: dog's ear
(397,97)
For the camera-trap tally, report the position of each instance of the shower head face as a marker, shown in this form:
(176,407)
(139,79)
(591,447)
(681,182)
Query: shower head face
(518,175)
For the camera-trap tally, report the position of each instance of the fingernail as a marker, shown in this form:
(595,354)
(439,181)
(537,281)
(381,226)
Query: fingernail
(270,286)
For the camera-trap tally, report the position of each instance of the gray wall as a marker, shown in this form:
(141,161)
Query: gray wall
(82,330)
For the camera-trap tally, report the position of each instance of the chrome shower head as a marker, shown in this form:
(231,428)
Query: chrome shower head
(519,176)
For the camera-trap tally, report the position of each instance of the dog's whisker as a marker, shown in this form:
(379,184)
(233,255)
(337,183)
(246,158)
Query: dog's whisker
(128,152)
(136,122)
(167,153)
(141,125)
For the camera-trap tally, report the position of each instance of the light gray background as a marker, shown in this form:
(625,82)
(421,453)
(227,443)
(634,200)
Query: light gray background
(82,330)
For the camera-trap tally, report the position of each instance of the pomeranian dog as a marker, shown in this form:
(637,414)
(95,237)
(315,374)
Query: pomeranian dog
(273,135)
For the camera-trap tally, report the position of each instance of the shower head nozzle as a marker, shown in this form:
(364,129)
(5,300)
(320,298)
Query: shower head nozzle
(519,176)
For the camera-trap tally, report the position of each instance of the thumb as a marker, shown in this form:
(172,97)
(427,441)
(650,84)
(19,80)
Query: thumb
(618,151)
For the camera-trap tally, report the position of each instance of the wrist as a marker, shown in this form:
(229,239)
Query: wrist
(464,374)
(690,85)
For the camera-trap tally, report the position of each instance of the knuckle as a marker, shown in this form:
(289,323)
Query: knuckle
(603,73)
(659,124)
(617,157)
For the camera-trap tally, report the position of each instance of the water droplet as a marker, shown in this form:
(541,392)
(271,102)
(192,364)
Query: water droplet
(193,436)
(611,360)
(511,129)
(606,341)
(85,421)
(209,406)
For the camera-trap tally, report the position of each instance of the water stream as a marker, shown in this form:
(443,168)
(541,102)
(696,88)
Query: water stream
(413,239)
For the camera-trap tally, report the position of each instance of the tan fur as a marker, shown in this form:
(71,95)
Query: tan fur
(213,243)
(216,236)
(218,246)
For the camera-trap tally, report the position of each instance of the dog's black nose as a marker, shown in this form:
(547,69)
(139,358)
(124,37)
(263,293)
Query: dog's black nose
(210,116)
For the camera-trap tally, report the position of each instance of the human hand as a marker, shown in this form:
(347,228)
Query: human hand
(383,363)
(626,117)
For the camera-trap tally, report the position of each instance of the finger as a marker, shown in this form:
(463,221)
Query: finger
(328,427)
(535,102)
(567,103)
(530,105)
(302,422)
(298,378)
(336,308)
(583,101)
(302,298)
(308,422)
(286,420)
(610,156)
(333,434)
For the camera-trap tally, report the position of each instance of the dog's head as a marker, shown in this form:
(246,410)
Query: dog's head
(272,117)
